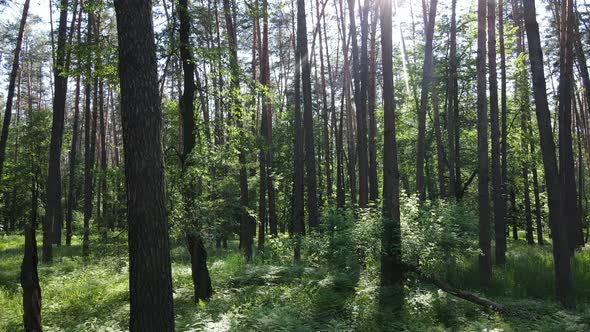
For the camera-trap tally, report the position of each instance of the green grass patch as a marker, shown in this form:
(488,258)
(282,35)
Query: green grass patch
(335,289)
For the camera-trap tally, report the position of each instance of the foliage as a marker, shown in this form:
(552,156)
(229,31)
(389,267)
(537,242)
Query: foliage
(334,289)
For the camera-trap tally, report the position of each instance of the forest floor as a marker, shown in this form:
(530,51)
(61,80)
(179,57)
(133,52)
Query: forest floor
(91,294)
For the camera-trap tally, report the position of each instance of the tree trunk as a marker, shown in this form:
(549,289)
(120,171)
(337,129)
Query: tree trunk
(440,153)
(310,163)
(429,22)
(59,104)
(538,208)
(485,259)
(325,118)
(235,105)
(267,109)
(298,166)
(88,151)
(103,161)
(71,202)
(73,164)
(569,206)
(499,204)
(500,224)
(11,86)
(562,264)
(372,105)
(452,111)
(391,269)
(360,101)
(29,279)
(150,294)
(199,270)
(12,219)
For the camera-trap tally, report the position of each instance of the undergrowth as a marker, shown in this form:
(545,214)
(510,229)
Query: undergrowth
(335,288)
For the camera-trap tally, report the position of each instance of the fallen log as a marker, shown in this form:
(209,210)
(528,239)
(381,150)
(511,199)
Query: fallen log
(468,296)
(462,294)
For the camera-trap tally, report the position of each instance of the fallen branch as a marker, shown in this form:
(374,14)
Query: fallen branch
(465,295)
(468,296)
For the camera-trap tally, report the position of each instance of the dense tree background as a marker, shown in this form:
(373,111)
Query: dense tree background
(363,153)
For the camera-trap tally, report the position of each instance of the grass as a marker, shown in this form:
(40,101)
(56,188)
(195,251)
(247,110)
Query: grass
(273,295)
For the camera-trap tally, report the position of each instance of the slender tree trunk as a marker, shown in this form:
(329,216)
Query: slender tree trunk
(88,151)
(29,278)
(115,133)
(577,128)
(53,206)
(310,163)
(298,169)
(372,105)
(362,112)
(74,145)
(538,208)
(200,272)
(485,261)
(513,215)
(103,161)
(452,131)
(562,264)
(325,118)
(500,224)
(566,154)
(527,201)
(11,86)
(429,22)
(350,163)
(339,127)
(499,204)
(12,219)
(73,164)
(440,153)
(583,66)
(391,271)
(94,141)
(358,70)
(150,293)
(267,113)
(262,215)
(235,105)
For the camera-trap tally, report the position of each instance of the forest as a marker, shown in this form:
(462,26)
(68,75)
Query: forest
(294,165)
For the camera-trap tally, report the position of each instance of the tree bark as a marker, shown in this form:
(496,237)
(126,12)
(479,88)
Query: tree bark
(103,161)
(499,203)
(563,277)
(88,151)
(325,113)
(59,103)
(298,166)
(200,272)
(452,110)
(391,269)
(360,108)
(150,293)
(310,163)
(29,280)
(440,153)
(429,22)
(569,206)
(500,224)
(235,105)
(74,146)
(11,85)
(485,261)
(372,105)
